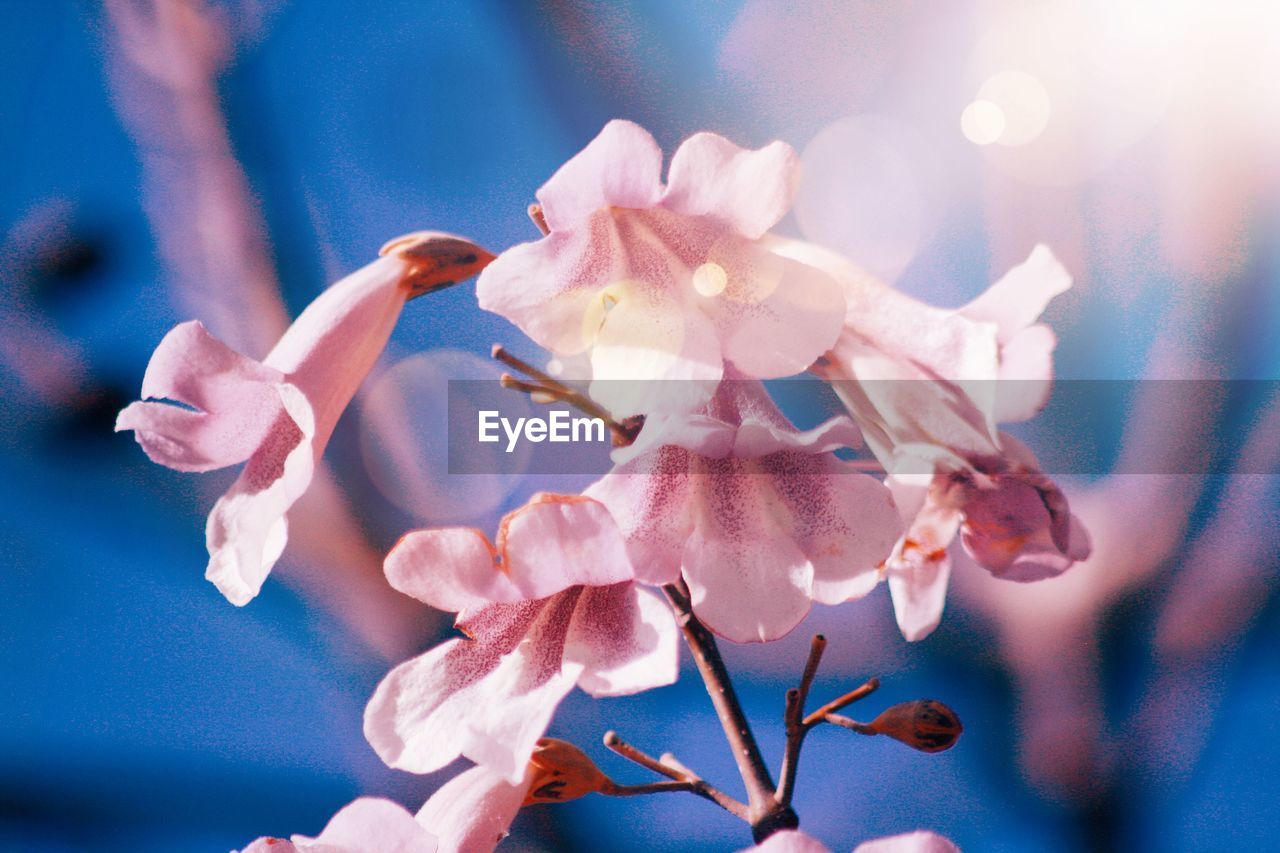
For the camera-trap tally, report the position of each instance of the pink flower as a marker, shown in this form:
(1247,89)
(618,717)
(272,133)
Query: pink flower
(551,604)
(367,825)
(1012,519)
(929,386)
(472,812)
(920,841)
(789,841)
(795,841)
(759,518)
(277,414)
(666,282)
(911,373)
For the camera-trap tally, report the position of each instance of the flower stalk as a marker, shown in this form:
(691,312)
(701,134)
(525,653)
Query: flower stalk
(765,812)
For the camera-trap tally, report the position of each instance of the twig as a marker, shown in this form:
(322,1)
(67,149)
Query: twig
(615,790)
(846,722)
(765,814)
(798,725)
(849,698)
(794,719)
(683,778)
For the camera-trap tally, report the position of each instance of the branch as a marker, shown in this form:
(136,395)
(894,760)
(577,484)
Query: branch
(793,717)
(765,814)
(683,779)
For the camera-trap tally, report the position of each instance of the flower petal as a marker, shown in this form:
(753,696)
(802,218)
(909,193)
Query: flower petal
(649,499)
(1020,296)
(626,639)
(652,354)
(329,350)
(556,541)
(247,530)
(546,286)
(489,699)
(749,190)
(748,579)
(452,569)
(234,398)
(472,812)
(621,167)
(1026,374)
(920,569)
(920,841)
(775,315)
(551,543)
(845,522)
(372,825)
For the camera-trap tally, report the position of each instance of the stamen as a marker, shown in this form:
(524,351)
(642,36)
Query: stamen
(535,213)
(548,389)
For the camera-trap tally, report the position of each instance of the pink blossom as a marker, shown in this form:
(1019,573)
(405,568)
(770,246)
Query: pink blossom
(920,841)
(552,603)
(795,841)
(1012,520)
(277,415)
(667,282)
(472,812)
(789,841)
(911,373)
(929,386)
(759,518)
(367,825)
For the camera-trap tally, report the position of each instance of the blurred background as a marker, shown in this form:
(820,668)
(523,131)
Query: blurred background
(173,159)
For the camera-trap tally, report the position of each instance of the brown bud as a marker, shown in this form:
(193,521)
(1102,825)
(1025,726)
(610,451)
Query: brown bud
(561,772)
(436,259)
(925,724)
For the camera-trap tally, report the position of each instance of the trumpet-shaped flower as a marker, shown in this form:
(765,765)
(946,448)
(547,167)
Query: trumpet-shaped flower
(928,387)
(913,374)
(667,282)
(1011,518)
(758,518)
(277,415)
(552,603)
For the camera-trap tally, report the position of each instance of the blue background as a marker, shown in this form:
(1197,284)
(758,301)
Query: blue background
(141,711)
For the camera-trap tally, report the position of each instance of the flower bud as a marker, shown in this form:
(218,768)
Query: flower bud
(436,260)
(560,771)
(925,724)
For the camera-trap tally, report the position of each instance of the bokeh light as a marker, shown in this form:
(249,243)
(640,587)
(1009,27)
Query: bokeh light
(404,432)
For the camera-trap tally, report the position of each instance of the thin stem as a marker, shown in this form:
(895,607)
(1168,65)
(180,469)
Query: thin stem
(674,770)
(629,752)
(846,722)
(651,788)
(548,386)
(533,390)
(539,219)
(849,698)
(766,814)
(500,353)
(794,719)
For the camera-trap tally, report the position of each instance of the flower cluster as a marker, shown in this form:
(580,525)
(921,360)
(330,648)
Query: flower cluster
(719,516)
